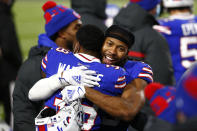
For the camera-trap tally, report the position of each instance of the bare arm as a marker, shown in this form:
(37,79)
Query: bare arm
(125,106)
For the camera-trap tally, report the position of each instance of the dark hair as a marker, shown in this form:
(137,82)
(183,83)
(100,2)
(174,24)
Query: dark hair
(120,33)
(90,37)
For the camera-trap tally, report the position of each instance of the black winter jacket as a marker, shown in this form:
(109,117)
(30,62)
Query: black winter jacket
(30,72)
(150,46)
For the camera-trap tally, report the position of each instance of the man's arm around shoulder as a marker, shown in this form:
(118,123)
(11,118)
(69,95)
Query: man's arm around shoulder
(125,106)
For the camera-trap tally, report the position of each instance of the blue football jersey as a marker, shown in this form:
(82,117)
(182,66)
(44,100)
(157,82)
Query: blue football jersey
(181,34)
(112,82)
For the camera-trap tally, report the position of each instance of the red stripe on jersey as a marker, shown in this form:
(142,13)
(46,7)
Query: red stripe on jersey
(147,69)
(146,75)
(87,58)
(120,85)
(43,64)
(136,54)
(84,57)
(120,79)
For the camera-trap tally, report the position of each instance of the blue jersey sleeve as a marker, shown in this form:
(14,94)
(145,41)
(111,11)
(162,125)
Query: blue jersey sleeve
(136,69)
(121,79)
(146,73)
(119,75)
(44,62)
(50,61)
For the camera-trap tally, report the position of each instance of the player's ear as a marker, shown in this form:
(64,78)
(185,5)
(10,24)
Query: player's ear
(76,47)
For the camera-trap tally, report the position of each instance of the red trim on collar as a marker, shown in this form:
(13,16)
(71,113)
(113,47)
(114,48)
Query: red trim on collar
(84,57)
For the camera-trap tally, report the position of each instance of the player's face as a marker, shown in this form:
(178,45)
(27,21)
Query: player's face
(113,51)
(70,32)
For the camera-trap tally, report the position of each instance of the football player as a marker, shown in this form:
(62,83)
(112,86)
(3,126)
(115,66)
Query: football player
(180,30)
(176,105)
(115,49)
(61,25)
(59,59)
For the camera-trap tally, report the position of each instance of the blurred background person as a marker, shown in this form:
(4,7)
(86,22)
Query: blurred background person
(60,31)
(91,11)
(10,55)
(162,101)
(150,46)
(186,100)
(180,30)
(177,105)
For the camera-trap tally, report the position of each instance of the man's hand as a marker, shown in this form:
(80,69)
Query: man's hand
(71,93)
(79,76)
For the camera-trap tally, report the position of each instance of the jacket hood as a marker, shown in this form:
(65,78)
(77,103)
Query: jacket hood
(44,40)
(44,44)
(134,17)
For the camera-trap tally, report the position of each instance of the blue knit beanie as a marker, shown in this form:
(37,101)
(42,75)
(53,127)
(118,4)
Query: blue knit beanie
(146,4)
(57,17)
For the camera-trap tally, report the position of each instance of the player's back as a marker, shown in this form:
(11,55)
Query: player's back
(112,81)
(181,34)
